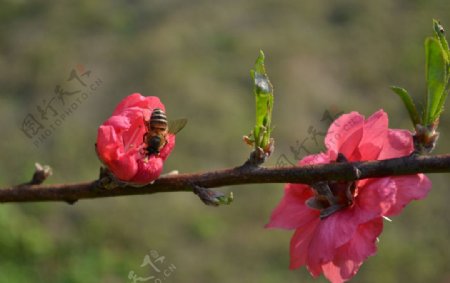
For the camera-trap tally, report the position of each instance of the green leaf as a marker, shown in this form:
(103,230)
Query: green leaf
(409,104)
(440,107)
(440,35)
(436,75)
(263,91)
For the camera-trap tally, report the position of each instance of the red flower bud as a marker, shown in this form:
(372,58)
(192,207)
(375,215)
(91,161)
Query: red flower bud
(120,141)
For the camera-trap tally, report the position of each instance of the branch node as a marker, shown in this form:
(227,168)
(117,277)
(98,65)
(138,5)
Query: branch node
(41,173)
(425,138)
(71,202)
(212,198)
(355,170)
(106,180)
(259,156)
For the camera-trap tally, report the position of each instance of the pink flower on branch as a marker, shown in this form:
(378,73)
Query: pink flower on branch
(337,223)
(120,141)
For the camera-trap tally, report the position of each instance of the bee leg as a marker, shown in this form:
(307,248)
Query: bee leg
(144,137)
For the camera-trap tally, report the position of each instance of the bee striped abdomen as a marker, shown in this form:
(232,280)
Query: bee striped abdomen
(158,117)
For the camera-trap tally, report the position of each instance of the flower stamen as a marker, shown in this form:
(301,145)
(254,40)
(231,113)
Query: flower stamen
(332,196)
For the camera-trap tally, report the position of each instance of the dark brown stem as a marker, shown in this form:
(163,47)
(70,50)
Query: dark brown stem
(234,176)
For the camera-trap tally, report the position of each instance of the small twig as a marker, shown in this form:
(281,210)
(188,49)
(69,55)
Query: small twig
(235,176)
(41,173)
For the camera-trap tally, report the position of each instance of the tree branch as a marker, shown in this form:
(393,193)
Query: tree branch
(235,176)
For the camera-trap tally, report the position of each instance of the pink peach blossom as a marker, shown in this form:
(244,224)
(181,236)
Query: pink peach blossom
(120,141)
(337,244)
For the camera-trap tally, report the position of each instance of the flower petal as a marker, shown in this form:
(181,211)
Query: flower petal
(110,150)
(332,232)
(107,143)
(332,272)
(408,188)
(299,247)
(124,167)
(374,136)
(132,137)
(344,135)
(320,158)
(148,171)
(350,256)
(292,212)
(118,122)
(375,198)
(398,143)
(167,149)
(140,101)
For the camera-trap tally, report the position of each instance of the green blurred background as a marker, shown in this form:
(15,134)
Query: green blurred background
(196,56)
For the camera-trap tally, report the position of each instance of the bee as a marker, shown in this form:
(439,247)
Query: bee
(157,129)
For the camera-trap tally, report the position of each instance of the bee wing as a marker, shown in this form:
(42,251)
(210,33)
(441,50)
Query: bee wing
(177,125)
